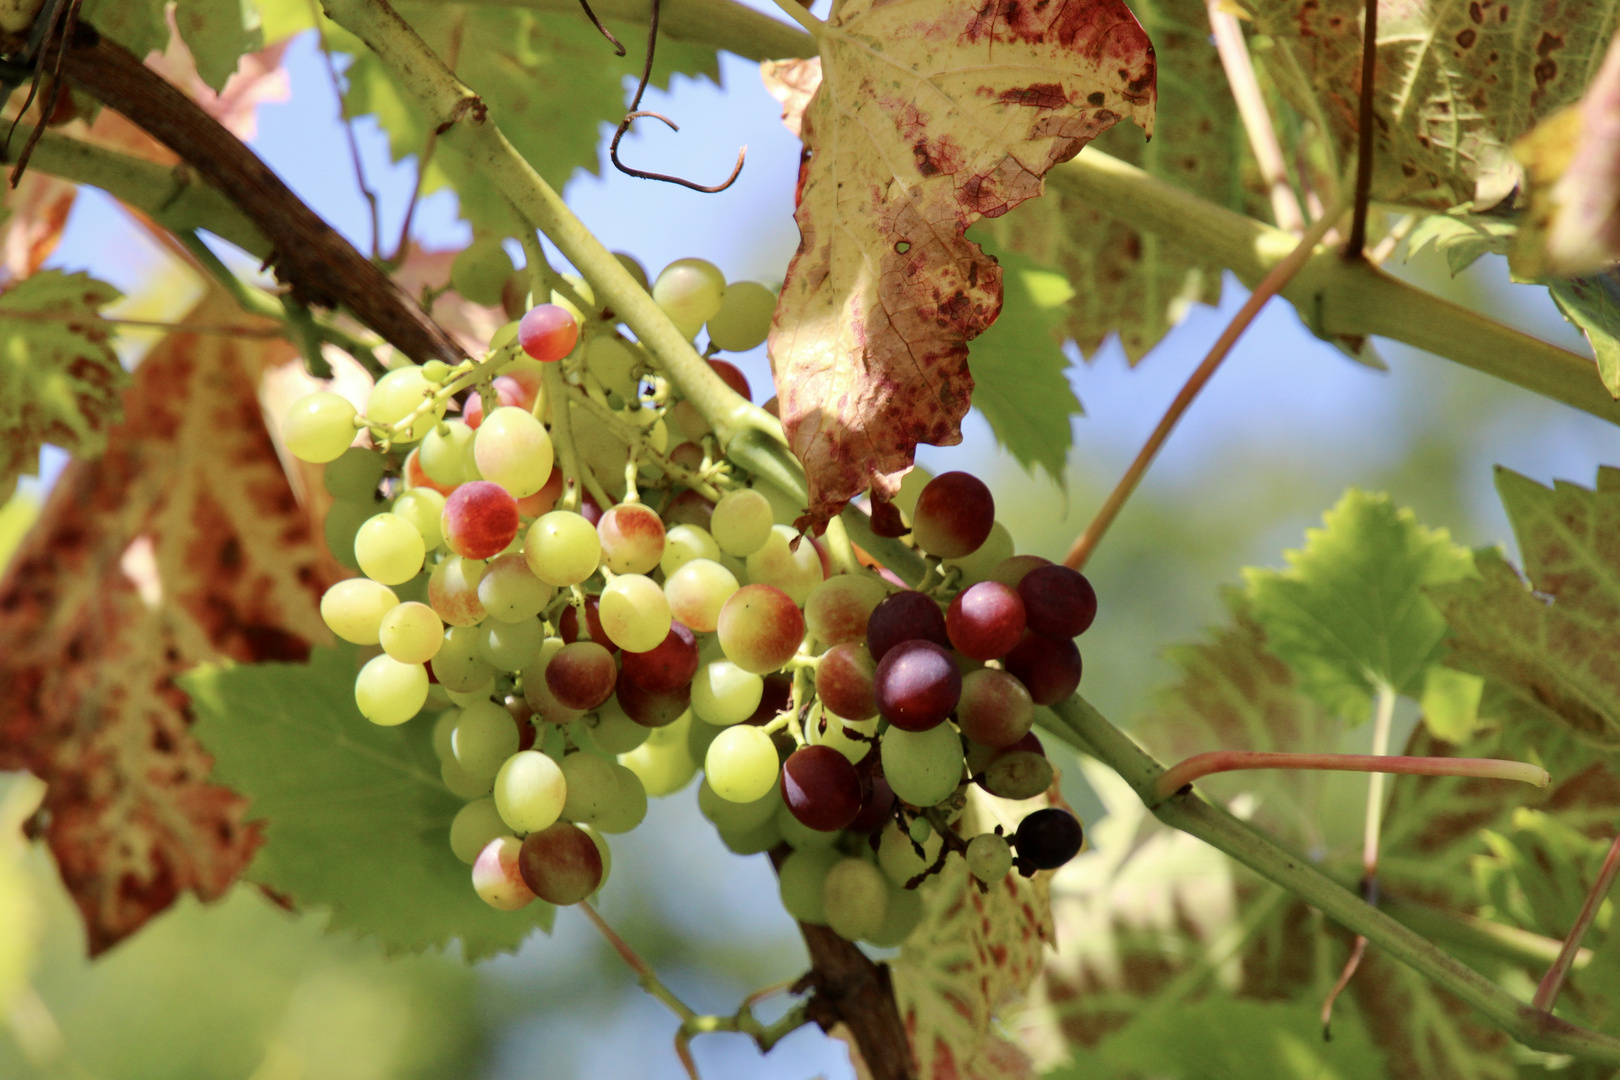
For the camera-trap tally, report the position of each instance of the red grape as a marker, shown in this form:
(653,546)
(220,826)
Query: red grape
(543,501)
(589,510)
(689,508)
(508,391)
(916,685)
(954,515)
(821,788)
(733,377)
(1048,838)
(877,808)
(1048,667)
(995,709)
(653,710)
(568,624)
(561,863)
(905,616)
(666,668)
(479,520)
(844,681)
(1059,602)
(548,332)
(760,628)
(985,620)
(774,697)
(581,675)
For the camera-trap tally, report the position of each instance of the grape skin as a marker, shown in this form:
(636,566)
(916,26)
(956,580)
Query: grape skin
(353,609)
(483,738)
(635,614)
(922,767)
(985,620)
(399,393)
(548,332)
(855,899)
(389,549)
(800,881)
(844,678)
(460,664)
(411,633)
(581,675)
(632,538)
(513,449)
(561,864)
(473,827)
(423,507)
(838,609)
(698,591)
(443,453)
(480,519)
(510,592)
(529,791)
(741,763)
(562,548)
(995,709)
(776,563)
(388,692)
(916,685)
(989,858)
(742,522)
(954,515)
(905,616)
(353,475)
(744,319)
(592,786)
(511,646)
(1061,603)
(820,788)
(453,590)
(1050,669)
(653,710)
(319,427)
(628,808)
(666,667)
(1048,838)
(496,877)
(760,628)
(724,693)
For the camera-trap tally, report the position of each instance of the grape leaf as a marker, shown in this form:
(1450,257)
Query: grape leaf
(137,25)
(182,544)
(59,379)
(1593,305)
(1461,238)
(218,33)
(1349,615)
(355,816)
(928,118)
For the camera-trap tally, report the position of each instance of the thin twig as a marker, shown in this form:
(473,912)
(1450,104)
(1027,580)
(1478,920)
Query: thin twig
(1553,982)
(1269,286)
(1201,765)
(1364,133)
(618,46)
(60,28)
(1351,966)
(1251,104)
(348,130)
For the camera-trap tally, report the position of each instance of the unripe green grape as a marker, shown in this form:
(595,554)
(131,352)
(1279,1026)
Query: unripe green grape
(697,591)
(484,737)
(353,609)
(741,523)
(684,543)
(496,877)
(460,664)
(799,836)
(923,767)
(614,362)
(612,731)
(480,271)
(785,508)
(741,764)
(443,453)
(796,573)
(354,474)
(397,394)
(453,590)
(753,841)
(904,913)
(443,728)
(635,613)
(833,731)
(389,549)
(744,319)
(899,860)
(473,827)
(469,461)
(411,633)
(437,371)
(562,548)
(510,592)
(691,292)
(462,784)
(592,786)
(422,508)
(319,427)
(989,858)
(513,450)
(628,807)
(342,525)
(511,646)
(920,830)
(724,694)
(663,768)
(801,882)
(982,562)
(389,692)
(736,816)
(855,899)
(463,698)
(530,791)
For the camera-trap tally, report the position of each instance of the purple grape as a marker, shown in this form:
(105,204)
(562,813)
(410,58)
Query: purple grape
(581,675)
(877,807)
(775,697)
(905,616)
(653,710)
(666,668)
(1049,668)
(1048,838)
(954,515)
(844,681)
(985,620)
(821,788)
(1058,602)
(561,863)
(917,685)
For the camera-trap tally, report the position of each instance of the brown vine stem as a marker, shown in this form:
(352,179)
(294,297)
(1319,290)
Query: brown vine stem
(1553,982)
(1269,286)
(1201,765)
(1364,133)
(1251,105)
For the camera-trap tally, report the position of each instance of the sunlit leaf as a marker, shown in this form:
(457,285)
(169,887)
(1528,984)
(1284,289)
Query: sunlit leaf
(218,33)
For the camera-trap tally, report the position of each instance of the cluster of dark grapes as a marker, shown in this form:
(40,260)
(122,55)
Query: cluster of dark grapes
(594,645)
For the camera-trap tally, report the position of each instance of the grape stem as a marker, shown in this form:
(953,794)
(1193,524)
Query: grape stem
(1553,982)
(1201,765)
(562,436)
(628,434)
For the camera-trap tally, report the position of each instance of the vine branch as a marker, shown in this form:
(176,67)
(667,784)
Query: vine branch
(1364,132)
(1251,106)
(1553,982)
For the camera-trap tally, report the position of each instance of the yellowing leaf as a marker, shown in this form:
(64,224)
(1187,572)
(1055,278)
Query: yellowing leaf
(928,118)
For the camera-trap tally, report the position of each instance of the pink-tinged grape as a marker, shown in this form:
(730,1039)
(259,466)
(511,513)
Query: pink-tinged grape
(684,543)
(453,590)
(985,620)
(698,591)
(1011,571)
(666,667)
(995,710)
(539,696)
(562,548)
(776,563)
(877,808)
(1048,838)
(742,522)
(916,685)
(905,616)
(443,453)
(513,449)
(398,394)
(1048,667)
(583,290)
(480,270)
(691,292)
(548,332)
(760,628)
(480,519)
(923,767)
(736,816)
(511,646)
(628,807)
(632,538)
(744,319)
(989,858)
(800,880)
(545,500)
(821,788)
(855,899)
(979,565)
(460,664)
(724,693)
(776,692)
(612,730)
(416,478)
(389,549)
(497,878)
(529,791)
(353,609)
(732,376)
(510,592)
(689,508)
(899,860)
(422,507)
(581,675)
(411,633)
(904,914)
(568,624)
(1060,602)
(342,525)
(635,615)
(1018,774)
(561,864)
(389,692)
(954,515)
(653,710)
(473,827)
(592,786)
(837,610)
(741,764)
(483,738)
(844,678)
(353,475)
(508,391)
(319,427)
(663,769)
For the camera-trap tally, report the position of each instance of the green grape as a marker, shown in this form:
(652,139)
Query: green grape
(615,363)
(414,591)
(469,461)
(513,450)
(389,692)
(453,590)
(612,731)
(697,591)
(801,881)
(443,453)
(562,548)
(980,564)
(753,841)
(699,736)
(829,730)
(796,573)
(397,394)
(422,508)
(485,736)
(920,830)
(342,525)
(600,450)
(480,271)
(741,764)
(389,549)
(684,543)
(663,768)
(799,836)
(989,858)
(744,319)
(443,728)
(437,371)
(923,767)
(510,592)
(629,807)
(511,646)
(460,664)
(855,899)
(592,786)
(735,816)
(724,694)
(354,475)
(473,827)
(353,609)
(633,267)
(905,911)
(635,614)
(742,522)
(530,791)
(899,860)
(496,877)
(411,633)
(319,427)
(461,783)
(461,699)
(691,292)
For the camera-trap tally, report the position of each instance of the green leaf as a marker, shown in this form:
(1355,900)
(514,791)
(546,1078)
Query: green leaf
(218,33)
(1349,615)
(1538,873)
(1593,305)
(137,25)
(356,818)
(1020,375)
(1451,703)
(1462,239)
(60,381)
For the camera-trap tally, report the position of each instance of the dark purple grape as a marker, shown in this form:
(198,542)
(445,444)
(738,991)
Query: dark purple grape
(581,675)
(985,620)
(775,697)
(877,807)
(905,616)
(821,788)
(653,710)
(917,685)
(1047,838)
(1049,668)
(561,863)
(1058,602)
(954,515)
(666,668)
(844,681)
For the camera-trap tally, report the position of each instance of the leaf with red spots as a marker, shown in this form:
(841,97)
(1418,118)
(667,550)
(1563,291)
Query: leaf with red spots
(182,544)
(928,119)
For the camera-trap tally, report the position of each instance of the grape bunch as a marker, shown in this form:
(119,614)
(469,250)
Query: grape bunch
(594,644)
